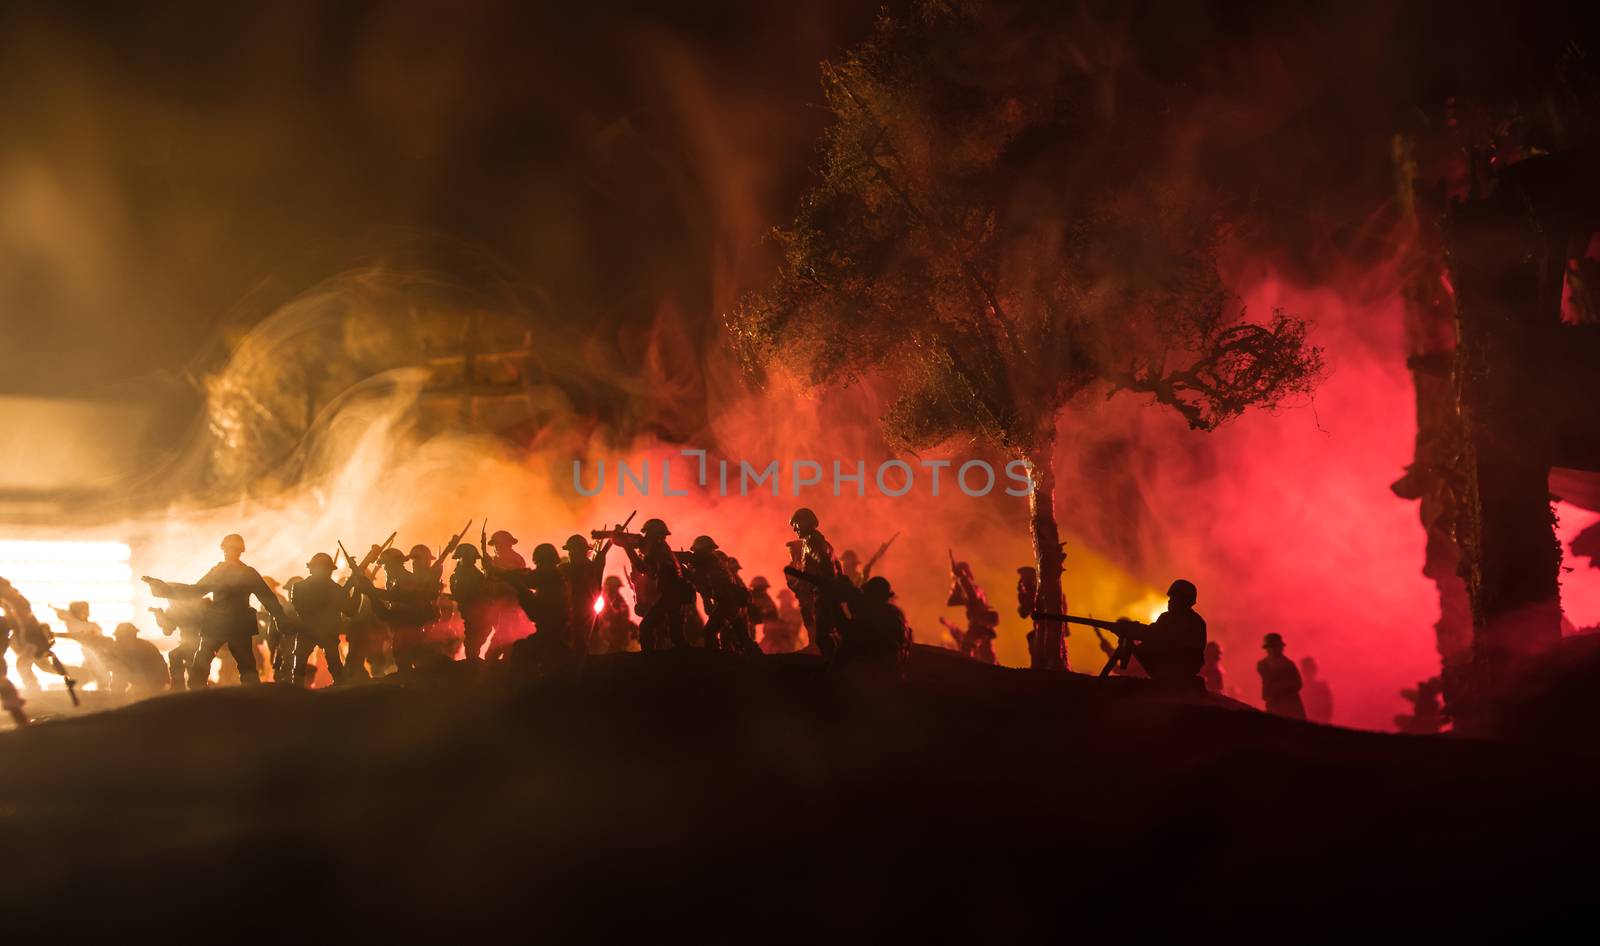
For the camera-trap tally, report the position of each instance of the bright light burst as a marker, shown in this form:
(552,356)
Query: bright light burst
(54,574)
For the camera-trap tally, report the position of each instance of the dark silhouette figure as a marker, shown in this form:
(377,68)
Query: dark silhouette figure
(543,594)
(18,618)
(976,640)
(617,630)
(1427,713)
(137,667)
(230,620)
(1212,671)
(782,636)
(810,553)
(662,594)
(1171,649)
(33,645)
(872,630)
(584,570)
(1280,680)
(850,567)
(185,617)
(1027,590)
(475,600)
(763,610)
(405,604)
(509,622)
(877,633)
(322,606)
(1315,692)
(91,638)
(727,602)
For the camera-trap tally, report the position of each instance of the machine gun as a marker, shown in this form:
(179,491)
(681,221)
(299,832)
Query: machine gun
(1124,630)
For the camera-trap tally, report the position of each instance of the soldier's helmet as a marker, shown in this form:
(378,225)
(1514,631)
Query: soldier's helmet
(731,562)
(803,520)
(320,562)
(577,543)
(703,543)
(1272,640)
(1183,591)
(465,553)
(849,556)
(759,583)
(612,581)
(421,551)
(392,558)
(233,542)
(125,631)
(1213,650)
(546,556)
(654,528)
(877,588)
(1028,571)
(502,538)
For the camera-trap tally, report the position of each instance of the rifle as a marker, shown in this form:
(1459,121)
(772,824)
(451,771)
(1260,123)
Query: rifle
(1123,630)
(72,685)
(358,571)
(611,538)
(866,570)
(455,540)
(483,541)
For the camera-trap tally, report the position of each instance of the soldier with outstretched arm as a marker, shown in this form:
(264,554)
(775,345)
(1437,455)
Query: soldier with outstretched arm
(1172,648)
(231,621)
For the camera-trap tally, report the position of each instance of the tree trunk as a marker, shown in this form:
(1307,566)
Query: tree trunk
(1047,650)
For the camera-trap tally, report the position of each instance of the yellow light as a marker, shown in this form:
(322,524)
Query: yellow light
(599,605)
(39,572)
(22,550)
(55,574)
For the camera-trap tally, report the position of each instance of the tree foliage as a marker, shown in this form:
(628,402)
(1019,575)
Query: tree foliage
(983,228)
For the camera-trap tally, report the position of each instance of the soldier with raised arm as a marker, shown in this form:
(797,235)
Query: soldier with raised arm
(230,621)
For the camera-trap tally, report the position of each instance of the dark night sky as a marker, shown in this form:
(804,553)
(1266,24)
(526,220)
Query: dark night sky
(167,171)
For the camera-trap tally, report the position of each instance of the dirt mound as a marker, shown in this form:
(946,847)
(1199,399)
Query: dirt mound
(770,800)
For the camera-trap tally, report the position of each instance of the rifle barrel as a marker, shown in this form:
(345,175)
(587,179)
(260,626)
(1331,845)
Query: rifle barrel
(1075,619)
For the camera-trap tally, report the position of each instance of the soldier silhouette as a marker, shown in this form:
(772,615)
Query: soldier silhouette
(1315,692)
(230,620)
(811,553)
(322,605)
(1280,680)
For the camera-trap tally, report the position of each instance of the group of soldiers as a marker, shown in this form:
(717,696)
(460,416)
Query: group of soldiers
(398,611)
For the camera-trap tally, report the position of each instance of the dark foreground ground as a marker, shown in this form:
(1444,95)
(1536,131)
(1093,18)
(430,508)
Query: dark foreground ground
(772,801)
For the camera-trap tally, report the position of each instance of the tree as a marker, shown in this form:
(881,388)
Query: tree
(984,232)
